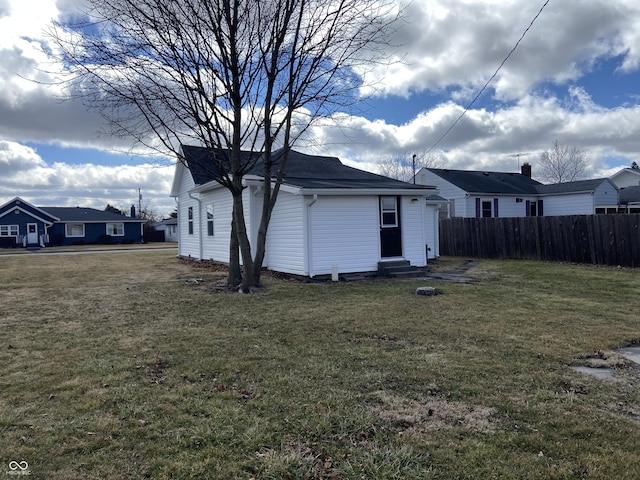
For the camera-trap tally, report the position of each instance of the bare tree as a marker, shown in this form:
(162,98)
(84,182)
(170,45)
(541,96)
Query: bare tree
(234,76)
(562,164)
(402,167)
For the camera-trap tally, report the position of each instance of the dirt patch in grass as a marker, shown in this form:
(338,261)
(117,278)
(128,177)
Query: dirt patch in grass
(420,418)
(602,359)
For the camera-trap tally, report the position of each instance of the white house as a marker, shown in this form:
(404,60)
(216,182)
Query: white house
(628,181)
(170,228)
(505,194)
(329,218)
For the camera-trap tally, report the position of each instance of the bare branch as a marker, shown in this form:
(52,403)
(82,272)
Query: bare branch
(562,164)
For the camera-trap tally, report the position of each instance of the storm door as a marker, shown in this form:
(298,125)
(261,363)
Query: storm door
(390,229)
(32,233)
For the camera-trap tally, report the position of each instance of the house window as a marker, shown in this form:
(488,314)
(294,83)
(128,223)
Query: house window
(74,229)
(518,200)
(210,220)
(190,218)
(486,208)
(389,212)
(115,229)
(9,230)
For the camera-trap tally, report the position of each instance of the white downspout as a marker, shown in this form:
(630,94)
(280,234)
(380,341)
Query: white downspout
(175,199)
(309,247)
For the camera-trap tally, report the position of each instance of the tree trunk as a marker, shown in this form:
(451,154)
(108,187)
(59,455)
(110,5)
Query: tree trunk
(261,241)
(235,275)
(248,277)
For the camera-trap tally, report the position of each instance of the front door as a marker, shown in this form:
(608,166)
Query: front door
(390,230)
(32,233)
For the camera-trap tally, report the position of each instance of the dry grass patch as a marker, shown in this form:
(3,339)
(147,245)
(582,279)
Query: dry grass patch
(420,418)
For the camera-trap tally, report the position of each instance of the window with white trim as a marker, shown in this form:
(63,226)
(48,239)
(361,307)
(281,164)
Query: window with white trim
(9,230)
(388,212)
(190,218)
(74,229)
(115,229)
(210,220)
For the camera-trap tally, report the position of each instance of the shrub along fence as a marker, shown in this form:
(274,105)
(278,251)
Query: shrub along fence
(596,239)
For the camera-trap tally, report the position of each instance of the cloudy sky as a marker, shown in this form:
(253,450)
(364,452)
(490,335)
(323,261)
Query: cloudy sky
(575,78)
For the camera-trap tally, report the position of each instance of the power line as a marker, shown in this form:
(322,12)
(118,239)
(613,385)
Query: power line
(490,79)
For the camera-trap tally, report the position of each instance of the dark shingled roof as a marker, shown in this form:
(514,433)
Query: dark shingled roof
(488,182)
(85,215)
(302,170)
(571,187)
(510,183)
(630,195)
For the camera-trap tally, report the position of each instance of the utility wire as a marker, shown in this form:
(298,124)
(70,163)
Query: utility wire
(490,79)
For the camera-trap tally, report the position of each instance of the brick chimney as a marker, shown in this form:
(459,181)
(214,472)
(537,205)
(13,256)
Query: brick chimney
(525,169)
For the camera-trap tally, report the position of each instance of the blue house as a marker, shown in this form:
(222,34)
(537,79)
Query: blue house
(24,225)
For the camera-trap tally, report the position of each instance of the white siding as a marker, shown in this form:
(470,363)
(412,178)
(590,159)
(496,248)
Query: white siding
(413,231)
(188,245)
(432,230)
(449,191)
(217,247)
(626,178)
(286,235)
(508,207)
(345,233)
(606,194)
(575,204)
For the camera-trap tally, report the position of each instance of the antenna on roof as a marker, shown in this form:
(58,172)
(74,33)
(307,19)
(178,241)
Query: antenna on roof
(517,155)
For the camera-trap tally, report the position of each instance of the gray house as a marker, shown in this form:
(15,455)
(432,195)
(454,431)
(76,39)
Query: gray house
(506,194)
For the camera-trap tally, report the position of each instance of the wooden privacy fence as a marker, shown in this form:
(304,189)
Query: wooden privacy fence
(596,239)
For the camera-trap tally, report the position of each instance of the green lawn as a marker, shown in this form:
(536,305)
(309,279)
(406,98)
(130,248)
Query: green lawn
(135,365)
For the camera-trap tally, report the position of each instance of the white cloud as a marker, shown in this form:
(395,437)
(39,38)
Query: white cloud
(460,44)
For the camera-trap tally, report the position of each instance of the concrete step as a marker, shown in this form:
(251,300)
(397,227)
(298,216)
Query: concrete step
(398,269)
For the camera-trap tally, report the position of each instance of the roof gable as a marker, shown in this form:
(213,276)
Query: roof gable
(626,177)
(26,207)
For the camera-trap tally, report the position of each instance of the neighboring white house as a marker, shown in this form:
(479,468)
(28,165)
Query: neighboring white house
(170,228)
(329,218)
(628,181)
(504,194)
(627,177)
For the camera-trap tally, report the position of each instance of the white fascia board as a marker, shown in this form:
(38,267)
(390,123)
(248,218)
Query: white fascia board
(205,187)
(368,191)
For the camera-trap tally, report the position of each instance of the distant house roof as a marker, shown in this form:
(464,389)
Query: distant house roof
(571,187)
(629,195)
(506,183)
(167,221)
(474,181)
(302,170)
(87,215)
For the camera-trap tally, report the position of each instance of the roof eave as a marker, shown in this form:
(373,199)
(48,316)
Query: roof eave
(368,191)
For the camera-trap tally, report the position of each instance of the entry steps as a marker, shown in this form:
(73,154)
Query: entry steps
(399,269)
